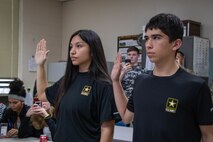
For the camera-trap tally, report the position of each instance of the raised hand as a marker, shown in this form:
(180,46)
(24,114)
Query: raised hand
(116,70)
(41,52)
(125,68)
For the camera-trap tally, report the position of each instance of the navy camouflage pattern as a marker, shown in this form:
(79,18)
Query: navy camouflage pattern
(129,79)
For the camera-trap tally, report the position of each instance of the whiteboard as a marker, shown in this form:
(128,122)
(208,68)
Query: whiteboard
(55,71)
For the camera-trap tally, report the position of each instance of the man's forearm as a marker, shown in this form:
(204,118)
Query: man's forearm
(120,98)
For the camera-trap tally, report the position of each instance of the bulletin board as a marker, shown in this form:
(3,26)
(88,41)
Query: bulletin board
(124,42)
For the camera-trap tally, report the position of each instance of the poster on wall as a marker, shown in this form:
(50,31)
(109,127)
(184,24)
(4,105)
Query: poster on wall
(124,42)
(32,67)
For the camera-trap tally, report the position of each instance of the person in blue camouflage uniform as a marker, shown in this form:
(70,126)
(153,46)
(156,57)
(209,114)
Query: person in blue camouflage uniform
(130,70)
(2,109)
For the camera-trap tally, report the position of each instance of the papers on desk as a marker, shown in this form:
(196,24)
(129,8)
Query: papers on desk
(3,129)
(19,139)
(123,133)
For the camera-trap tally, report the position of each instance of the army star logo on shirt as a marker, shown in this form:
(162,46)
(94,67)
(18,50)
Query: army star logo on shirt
(171,105)
(86,90)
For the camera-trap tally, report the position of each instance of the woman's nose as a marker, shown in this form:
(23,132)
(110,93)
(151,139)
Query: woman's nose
(72,51)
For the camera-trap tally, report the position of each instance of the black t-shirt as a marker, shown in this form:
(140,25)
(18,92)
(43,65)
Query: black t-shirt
(170,109)
(82,110)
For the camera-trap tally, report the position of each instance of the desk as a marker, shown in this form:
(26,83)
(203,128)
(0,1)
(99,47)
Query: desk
(19,139)
(122,134)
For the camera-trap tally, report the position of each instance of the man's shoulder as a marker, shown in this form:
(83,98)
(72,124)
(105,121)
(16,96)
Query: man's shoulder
(144,75)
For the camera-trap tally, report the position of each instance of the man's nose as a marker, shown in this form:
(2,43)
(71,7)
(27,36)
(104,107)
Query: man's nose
(148,43)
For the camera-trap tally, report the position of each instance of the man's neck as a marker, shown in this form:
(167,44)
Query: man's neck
(166,69)
(135,64)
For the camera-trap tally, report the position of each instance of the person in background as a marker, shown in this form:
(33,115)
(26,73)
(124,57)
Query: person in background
(15,115)
(170,104)
(34,90)
(29,98)
(42,119)
(180,57)
(83,97)
(130,70)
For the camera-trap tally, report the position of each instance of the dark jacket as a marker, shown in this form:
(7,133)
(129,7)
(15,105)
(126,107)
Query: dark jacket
(25,129)
(51,122)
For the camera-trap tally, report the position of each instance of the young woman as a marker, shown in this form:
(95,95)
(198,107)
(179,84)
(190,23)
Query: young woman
(83,97)
(15,115)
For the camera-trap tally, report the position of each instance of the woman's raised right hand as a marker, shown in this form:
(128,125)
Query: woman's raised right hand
(41,52)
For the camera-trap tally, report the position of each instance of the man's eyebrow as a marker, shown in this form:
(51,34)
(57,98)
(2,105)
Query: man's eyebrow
(153,35)
(156,35)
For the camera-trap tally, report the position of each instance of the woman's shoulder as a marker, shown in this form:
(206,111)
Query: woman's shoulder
(103,82)
(24,109)
(9,112)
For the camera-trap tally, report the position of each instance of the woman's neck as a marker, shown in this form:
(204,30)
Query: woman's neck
(19,111)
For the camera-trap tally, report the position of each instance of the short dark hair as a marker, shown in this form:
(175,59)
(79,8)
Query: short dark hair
(169,24)
(181,53)
(133,48)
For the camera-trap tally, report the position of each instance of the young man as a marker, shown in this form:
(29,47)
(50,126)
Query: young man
(170,104)
(180,57)
(130,70)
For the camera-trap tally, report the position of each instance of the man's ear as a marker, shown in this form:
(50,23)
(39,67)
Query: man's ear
(176,44)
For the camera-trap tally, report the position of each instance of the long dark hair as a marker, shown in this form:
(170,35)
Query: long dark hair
(98,67)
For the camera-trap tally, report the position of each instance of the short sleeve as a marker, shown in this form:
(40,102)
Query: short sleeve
(52,92)
(108,110)
(204,106)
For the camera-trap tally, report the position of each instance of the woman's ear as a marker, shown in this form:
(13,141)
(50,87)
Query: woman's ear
(177,44)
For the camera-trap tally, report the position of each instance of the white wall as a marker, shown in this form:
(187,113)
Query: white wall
(38,19)
(9,25)
(56,22)
(112,18)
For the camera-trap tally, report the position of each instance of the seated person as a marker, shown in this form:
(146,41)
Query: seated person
(42,119)
(15,115)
